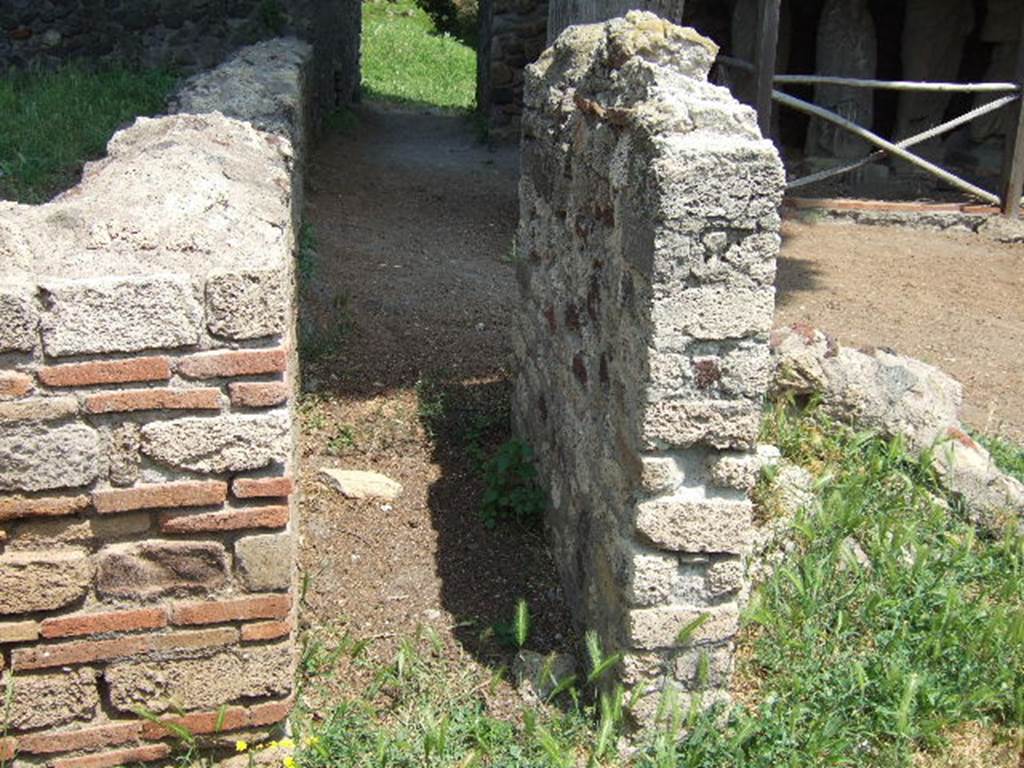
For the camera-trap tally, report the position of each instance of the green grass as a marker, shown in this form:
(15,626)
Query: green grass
(1007,456)
(51,123)
(845,664)
(405,60)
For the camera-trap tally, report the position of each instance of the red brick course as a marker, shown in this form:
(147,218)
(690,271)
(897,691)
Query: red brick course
(257,394)
(197,723)
(244,609)
(230,520)
(86,651)
(270,713)
(7,749)
(106,372)
(214,365)
(87,738)
(199,493)
(116,757)
(262,487)
(99,623)
(265,630)
(14,384)
(126,400)
(15,507)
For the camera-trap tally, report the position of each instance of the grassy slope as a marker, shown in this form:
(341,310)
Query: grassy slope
(405,60)
(50,123)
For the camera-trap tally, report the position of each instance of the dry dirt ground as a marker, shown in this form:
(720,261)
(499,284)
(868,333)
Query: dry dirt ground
(953,300)
(409,298)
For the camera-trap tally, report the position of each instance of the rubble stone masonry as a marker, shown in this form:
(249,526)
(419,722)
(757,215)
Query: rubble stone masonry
(147,365)
(646,256)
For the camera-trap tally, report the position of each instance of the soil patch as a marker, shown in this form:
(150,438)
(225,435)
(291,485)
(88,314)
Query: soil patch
(413,287)
(955,300)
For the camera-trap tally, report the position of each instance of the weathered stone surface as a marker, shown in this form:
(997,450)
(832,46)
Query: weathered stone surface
(722,424)
(651,628)
(43,580)
(38,409)
(646,250)
(735,470)
(359,484)
(878,390)
(14,384)
(119,314)
(19,320)
(51,700)
(40,534)
(34,458)
(652,578)
(719,666)
(710,525)
(193,192)
(153,568)
(228,443)
(202,683)
(123,455)
(246,305)
(725,577)
(995,500)
(266,562)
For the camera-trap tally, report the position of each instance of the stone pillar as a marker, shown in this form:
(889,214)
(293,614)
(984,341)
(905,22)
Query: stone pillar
(646,260)
(847,47)
(1002,31)
(147,372)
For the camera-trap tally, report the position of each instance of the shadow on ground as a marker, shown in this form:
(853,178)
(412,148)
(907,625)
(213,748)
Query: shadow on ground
(407,298)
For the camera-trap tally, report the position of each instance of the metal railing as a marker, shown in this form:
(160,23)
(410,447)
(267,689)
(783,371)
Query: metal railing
(1012,183)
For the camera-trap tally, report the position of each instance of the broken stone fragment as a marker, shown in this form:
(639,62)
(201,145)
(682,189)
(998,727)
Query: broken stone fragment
(359,484)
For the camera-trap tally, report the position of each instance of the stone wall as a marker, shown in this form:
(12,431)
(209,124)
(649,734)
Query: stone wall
(646,258)
(512,34)
(186,35)
(147,514)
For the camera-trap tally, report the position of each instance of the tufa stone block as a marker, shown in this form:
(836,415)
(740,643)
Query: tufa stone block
(154,568)
(43,580)
(119,314)
(265,562)
(246,305)
(227,443)
(204,683)
(19,320)
(710,525)
(51,700)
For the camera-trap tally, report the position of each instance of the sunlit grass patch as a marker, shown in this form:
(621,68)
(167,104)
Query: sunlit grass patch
(404,59)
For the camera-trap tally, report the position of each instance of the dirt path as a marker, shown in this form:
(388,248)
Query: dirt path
(953,300)
(410,298)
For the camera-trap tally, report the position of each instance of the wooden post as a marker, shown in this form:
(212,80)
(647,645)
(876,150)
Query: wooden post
(764,61)
(1013,161)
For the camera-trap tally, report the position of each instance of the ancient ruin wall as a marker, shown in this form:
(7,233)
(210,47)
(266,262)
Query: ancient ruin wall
(646,257)
(147,516)
(187,36)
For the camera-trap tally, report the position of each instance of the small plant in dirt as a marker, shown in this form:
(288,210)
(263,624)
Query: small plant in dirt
(511,491)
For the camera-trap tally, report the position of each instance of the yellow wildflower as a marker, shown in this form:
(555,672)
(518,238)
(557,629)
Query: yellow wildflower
(286,744)
(241,745)
(289,762)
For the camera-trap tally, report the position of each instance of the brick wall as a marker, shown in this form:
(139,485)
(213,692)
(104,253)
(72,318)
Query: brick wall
(147,512)
(646,260)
